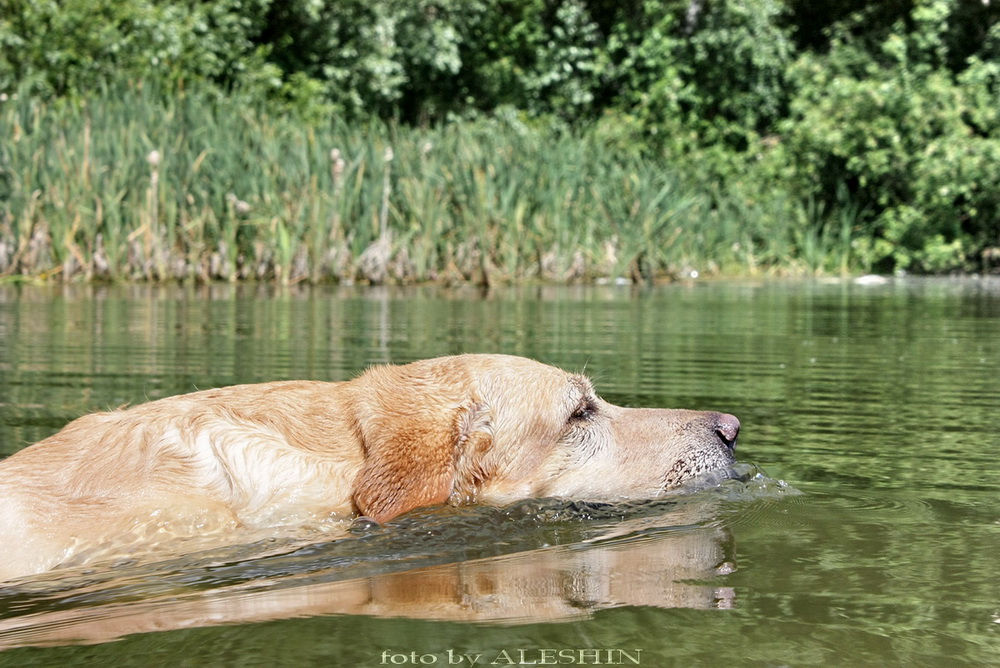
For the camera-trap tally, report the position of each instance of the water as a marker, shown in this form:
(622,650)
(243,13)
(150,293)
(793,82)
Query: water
(863,530)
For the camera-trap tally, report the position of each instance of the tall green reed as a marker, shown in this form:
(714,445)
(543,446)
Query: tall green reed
(133,184)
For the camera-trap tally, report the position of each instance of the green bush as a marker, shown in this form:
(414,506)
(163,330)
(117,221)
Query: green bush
(912,141)
(68,47)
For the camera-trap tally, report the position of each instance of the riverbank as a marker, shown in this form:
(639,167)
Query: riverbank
(484,142)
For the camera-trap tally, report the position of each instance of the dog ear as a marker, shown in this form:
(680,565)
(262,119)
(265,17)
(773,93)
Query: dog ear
(410,462)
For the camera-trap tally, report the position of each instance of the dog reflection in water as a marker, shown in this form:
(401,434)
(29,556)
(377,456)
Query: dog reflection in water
(637,562)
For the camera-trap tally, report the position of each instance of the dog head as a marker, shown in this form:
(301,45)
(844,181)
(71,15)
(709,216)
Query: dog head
(495,429)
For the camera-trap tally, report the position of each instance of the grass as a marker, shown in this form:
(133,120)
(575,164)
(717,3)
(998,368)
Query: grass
(135,185)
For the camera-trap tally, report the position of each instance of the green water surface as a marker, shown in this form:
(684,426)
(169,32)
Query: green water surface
(865,530)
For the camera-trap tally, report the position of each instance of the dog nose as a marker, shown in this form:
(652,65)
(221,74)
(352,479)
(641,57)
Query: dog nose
(728,428)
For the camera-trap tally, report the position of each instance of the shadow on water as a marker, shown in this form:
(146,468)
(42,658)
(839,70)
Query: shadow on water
(539,560)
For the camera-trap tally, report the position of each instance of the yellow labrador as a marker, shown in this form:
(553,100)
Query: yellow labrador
(463,429)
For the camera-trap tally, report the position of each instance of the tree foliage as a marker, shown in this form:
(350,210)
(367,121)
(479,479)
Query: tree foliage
(889,108)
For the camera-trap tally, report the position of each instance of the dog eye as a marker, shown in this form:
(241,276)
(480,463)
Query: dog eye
(584,411)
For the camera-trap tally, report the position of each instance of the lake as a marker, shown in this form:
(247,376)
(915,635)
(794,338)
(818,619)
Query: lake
(863,528)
